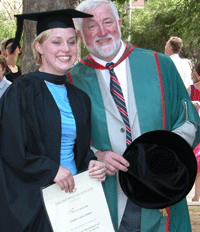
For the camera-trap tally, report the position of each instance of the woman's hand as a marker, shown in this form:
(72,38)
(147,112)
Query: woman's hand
(65,179)
(97,170)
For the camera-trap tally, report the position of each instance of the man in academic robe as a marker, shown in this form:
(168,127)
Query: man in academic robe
(155,99)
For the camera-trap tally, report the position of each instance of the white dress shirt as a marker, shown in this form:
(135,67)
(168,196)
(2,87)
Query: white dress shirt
(183,68)
(120,71)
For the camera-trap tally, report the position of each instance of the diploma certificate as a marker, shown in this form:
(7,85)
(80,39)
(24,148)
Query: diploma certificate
(84,210)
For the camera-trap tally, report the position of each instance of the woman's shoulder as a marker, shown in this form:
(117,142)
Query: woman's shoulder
(75,89)
(29,78)
(27,83)
(80,94)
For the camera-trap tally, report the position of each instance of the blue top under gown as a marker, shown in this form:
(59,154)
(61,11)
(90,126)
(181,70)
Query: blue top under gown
(68,126)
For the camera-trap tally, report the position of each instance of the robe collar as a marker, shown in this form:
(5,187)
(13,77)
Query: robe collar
(55,79)
(88,61)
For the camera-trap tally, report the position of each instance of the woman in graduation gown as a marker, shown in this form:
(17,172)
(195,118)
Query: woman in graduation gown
(44,127)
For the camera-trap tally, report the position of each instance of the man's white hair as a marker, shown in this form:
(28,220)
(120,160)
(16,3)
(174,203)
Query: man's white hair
(88,5)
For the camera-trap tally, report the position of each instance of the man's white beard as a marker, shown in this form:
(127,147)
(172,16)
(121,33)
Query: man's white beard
(104,51)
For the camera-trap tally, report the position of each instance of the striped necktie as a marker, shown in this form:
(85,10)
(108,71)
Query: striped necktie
(118,97)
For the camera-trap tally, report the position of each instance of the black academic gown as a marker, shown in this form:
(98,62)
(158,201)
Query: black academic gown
(12,76)
(30,141)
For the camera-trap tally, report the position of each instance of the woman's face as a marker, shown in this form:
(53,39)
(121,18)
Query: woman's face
(15,53)
(58,51)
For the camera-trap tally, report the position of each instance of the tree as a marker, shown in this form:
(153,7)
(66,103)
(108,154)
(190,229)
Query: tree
(29,26)
(161,19)
(151,26)
(8,8)
(187,23)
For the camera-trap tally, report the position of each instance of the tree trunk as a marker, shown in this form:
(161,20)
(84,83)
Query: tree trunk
(31,6)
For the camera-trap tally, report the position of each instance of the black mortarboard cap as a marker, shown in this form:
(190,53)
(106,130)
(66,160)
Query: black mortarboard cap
(48,20)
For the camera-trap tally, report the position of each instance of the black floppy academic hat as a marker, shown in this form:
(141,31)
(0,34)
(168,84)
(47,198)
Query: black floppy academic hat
(48,20)
(162,170)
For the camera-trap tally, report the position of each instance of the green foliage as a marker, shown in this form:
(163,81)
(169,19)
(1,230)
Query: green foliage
(151,26)
(119,1)
(161,19)
(123,14)
(122,1)
(187,23)
(7,28)
(84,50)
(7,19)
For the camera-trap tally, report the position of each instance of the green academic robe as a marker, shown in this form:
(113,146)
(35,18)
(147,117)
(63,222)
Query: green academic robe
(162,103)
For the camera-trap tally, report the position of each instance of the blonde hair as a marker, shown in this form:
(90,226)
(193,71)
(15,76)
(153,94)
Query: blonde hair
(176,44)
(40,38)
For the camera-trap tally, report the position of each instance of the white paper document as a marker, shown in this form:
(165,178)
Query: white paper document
(85,210)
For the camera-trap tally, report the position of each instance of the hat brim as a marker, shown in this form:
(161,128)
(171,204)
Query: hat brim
(138,188)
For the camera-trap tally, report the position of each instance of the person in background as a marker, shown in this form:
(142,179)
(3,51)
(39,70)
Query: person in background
(196,79)
(45,126)
(173,48)
(13,71)
(195,97)
(4,83)
(132,91)
(3,50)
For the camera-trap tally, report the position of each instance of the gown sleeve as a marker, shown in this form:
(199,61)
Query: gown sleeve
(24,162)
(23,150)
(178,106)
